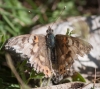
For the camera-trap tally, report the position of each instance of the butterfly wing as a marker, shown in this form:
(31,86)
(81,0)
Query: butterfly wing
(67,48)
(34,48)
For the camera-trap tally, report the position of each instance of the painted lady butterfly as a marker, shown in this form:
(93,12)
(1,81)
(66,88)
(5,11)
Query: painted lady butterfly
(49,54)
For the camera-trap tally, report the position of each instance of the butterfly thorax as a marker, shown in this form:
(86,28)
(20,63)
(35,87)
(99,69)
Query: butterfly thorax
(50,38)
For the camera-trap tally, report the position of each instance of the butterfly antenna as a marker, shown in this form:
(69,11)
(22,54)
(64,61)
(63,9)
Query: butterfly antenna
(59,15)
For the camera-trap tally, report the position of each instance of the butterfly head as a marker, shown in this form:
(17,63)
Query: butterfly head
(49,31)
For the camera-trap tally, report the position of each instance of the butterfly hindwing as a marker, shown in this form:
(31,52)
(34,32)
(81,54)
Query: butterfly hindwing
(67,48)
(34,47)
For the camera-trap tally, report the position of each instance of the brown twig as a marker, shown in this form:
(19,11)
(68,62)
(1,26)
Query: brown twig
(94,79)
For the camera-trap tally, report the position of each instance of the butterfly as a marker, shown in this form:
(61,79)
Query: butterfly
(49,54)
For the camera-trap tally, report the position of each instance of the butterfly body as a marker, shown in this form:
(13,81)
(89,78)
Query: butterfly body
(63,51)
(50,40)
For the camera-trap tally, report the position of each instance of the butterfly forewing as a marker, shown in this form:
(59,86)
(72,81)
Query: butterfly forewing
(34,48)
(67,48)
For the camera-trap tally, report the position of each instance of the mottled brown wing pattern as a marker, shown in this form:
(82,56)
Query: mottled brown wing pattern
(34,47)
(67,49)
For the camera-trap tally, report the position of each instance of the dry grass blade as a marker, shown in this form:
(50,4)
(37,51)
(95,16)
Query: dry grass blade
(10,63)
(94,79)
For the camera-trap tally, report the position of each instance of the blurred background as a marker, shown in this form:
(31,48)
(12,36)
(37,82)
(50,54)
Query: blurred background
(19,16)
